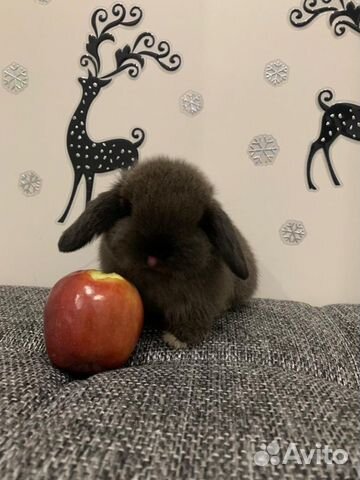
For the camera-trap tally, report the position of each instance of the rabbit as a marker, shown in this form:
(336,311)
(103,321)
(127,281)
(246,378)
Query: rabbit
(162,229)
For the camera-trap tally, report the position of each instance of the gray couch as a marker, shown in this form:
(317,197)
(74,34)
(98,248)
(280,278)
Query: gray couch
(275,377)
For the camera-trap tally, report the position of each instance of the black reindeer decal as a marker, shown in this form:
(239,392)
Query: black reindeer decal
(338,119)
(343,14)
(88,157)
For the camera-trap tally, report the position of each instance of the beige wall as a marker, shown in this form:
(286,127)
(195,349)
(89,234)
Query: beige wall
(225,47)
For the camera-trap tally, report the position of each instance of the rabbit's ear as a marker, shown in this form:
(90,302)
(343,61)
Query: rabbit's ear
(223,235)
(99,215)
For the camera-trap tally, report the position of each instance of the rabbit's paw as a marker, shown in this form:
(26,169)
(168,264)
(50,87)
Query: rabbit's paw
(173,342)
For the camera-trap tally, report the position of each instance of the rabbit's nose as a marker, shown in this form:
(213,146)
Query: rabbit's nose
(158,249)
(152,261)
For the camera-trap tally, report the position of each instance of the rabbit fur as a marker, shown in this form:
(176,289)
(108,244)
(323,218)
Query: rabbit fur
(162,229)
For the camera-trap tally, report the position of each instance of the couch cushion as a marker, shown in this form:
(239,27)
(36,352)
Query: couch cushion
(271,371)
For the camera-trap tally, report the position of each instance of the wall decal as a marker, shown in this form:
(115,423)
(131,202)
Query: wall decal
(15,78)
(338,119)
(88,157)
(30,183)
(191,102)
(292,232)
(263,150)
(43,2)
(276,72)
(344,14)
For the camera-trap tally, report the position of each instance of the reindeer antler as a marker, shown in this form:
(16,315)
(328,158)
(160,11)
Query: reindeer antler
(313,8)
(163,50)
(127,58)
(101,16)
(161,55)
(120,13)
(347,15)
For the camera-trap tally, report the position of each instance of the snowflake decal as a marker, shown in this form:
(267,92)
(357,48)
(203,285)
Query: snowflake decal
(43,2)
(292,232)
(15,78)
(191,102)
(276,72)
(30,183)
(263,149)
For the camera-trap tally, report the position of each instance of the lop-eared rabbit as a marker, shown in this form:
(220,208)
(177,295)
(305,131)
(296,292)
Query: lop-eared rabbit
(162,229)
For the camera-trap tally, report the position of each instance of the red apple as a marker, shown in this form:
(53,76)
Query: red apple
(92,321)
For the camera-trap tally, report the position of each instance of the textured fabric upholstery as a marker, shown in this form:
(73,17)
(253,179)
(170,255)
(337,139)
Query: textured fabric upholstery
(273,370)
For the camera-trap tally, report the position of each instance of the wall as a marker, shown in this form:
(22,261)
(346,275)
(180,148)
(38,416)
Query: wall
(225,47)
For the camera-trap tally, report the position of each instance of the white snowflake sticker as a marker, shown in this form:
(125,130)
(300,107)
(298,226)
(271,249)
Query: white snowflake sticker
(292,232)
(191,102)
(263,149)
(30,183)
(15,78)
(276,72)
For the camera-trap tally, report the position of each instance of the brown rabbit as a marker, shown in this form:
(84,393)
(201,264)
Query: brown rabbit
(162,229)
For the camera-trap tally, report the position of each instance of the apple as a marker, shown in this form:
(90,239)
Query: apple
(92,321)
